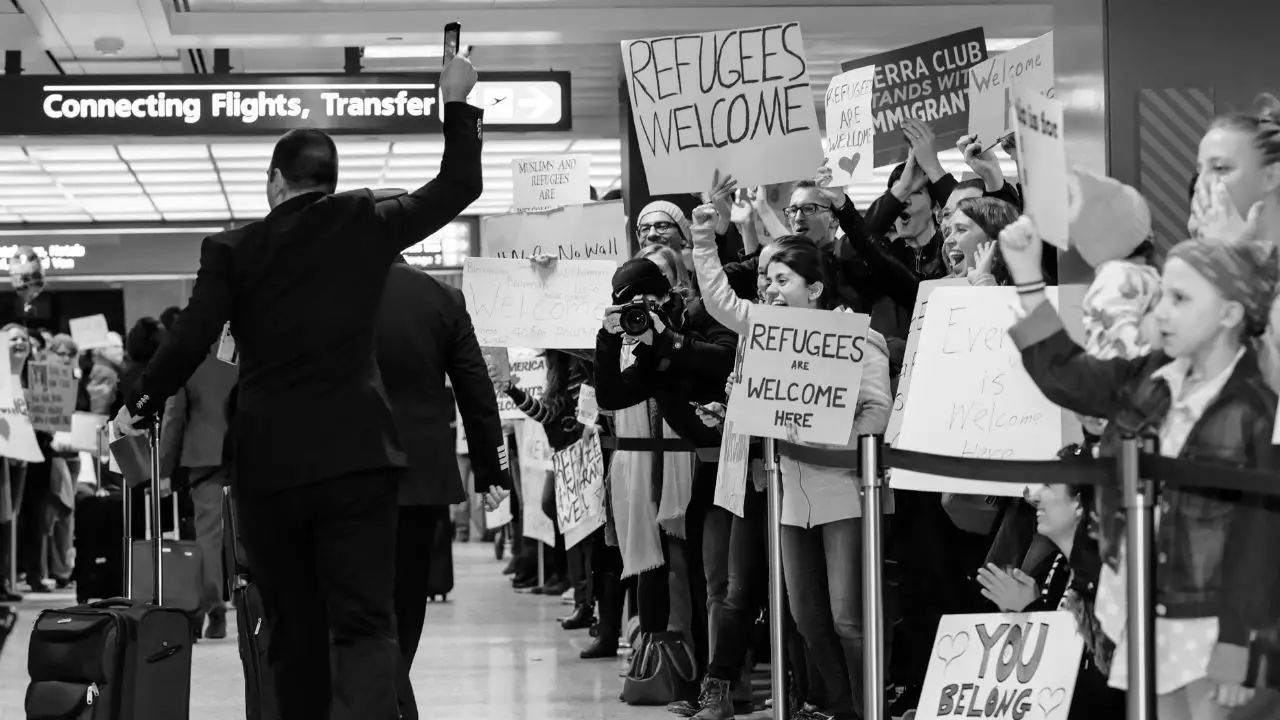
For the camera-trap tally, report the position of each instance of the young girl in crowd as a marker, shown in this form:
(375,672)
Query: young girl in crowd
(1204,397)
(970,249)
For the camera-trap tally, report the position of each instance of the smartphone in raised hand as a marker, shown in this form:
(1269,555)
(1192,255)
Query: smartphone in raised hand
(452,40)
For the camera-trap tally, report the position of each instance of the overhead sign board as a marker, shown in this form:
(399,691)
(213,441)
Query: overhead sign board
(272,104)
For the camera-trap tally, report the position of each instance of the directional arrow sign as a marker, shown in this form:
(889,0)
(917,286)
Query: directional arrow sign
(528,102)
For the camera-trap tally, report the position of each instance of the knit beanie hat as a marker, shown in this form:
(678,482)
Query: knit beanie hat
(674,214)
(1109,219)
(639,276)
(1244,271)
(1121,295)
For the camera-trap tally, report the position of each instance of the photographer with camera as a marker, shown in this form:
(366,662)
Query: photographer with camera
(681,356)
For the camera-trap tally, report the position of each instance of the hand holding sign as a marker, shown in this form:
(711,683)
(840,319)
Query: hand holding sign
(1011,591)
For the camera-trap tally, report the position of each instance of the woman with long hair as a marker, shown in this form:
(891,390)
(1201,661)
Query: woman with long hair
(970,249)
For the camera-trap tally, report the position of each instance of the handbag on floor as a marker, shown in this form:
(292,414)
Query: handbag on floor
(663,671)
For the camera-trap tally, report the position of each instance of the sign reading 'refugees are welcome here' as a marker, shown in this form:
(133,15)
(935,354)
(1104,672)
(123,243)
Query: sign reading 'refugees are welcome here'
(737,101)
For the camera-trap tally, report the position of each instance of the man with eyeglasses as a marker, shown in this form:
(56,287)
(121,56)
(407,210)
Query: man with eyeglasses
(663,223)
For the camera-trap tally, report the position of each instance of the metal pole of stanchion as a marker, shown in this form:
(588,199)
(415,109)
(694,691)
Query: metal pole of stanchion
(872,577)
(777,591)
(1139,499)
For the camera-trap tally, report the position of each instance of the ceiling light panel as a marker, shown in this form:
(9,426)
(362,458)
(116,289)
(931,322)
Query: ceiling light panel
(190,203)
(70,153)
(151,216)
(143,166)
(164,152)
(163,189)
(55,217)
(96,205)
(178,178)
(241,150)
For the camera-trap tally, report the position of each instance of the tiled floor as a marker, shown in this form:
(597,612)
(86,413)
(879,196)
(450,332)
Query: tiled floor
(487,653)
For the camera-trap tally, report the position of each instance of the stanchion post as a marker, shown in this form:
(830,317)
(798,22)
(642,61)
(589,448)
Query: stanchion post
(1139,501)
(777,592)
(873,655)
(13,532)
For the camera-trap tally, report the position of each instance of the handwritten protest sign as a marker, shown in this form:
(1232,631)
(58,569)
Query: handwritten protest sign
(579,472)
(970,396)
(927,81)
(514,304)
(735,448)
(552,182)
(737,101)
(1042,169)
(90,332)
(51,396)
(17,436)
(535,463)
(595,231)
(801,368)
(1002,667)
(850,130)
(528,371)
(992,82)
(909,357)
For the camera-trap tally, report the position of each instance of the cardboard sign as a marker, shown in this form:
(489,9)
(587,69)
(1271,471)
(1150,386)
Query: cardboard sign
(85,428)
(1042,166)
(546,183)
(992,83)
(735,449)
(850,130)
(579,472)
(737,101)
(51,396)
(588,408)
(909,357)
(535,462)
(1002,666)
(801,368)
(90,332)
(528,370)
(970,396)
(928,81)
(514,304)
(595,231)
(17,436)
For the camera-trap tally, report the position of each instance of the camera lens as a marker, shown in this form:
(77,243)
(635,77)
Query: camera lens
(635,320)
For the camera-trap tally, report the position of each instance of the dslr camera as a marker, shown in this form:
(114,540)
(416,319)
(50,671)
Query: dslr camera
(634,316)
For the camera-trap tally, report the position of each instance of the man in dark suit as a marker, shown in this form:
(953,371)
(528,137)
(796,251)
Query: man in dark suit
(424,335)
(317,457)
(191,439)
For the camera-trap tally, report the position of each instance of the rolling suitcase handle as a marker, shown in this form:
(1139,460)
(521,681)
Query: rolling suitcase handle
(157,550)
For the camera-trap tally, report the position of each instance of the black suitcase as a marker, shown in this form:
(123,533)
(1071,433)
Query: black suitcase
(117,659)
(252,631)
(440,565)
(99,566)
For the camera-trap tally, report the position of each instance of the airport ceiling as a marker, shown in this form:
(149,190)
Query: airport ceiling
(137,179)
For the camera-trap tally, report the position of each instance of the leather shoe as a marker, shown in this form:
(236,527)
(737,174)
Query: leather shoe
(600,649)
(527,583)
(581,619)
(217,629)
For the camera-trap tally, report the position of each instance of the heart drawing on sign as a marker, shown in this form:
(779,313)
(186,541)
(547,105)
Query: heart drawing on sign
(850,163)
(1050,700)
(951,648)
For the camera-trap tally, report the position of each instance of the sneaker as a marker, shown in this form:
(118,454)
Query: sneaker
(567,597)
(682,708)
(715,702)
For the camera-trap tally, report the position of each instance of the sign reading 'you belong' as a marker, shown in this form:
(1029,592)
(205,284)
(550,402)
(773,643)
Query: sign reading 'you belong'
(271,104)
(737,101)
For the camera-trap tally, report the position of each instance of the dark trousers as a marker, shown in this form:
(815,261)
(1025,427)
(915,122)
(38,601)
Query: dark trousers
(416,530)
(739,544)
(324,558)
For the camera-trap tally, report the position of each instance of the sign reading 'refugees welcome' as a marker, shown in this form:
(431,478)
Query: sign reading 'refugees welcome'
(737,101)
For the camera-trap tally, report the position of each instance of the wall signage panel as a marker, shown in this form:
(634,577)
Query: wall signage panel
(272,104)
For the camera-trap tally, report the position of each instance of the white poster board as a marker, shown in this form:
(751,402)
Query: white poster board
(90,332)
(535,462)
(588,406)
(970,396)
(736,101)
(551,182)
(17,436)
(735,449)
(595,231)
(1042,166)
(851,129)
(991,85)
(51,396)
(1002,666)
(499,516)
(579,471)
(84,432)
(514,304)
(909,356)
(801,368)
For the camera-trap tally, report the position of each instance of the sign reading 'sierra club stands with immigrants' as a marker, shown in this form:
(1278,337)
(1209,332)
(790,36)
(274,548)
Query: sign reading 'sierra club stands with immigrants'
(271,104)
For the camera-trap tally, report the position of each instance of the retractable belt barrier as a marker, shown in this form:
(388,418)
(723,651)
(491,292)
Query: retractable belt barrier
(1135,472)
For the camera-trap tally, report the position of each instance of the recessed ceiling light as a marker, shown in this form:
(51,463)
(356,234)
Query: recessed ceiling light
(386,52)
